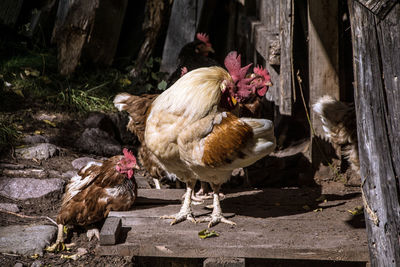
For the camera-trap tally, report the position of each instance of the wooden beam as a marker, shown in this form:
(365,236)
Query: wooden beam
(377,98)
(323,53)
(182,28)
(110,231)
(286,70)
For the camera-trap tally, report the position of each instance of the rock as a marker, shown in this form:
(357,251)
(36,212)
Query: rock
(40,151)
(24,188)
(43,116)
(35,139)
(11,166)
(9,206)
(121,120)
(18,264)
(99,142)
(101,121)
(37,263)
(80,162)
(31,173)
(26,240)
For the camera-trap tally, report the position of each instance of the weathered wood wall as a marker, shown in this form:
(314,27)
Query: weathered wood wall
(185,15)
(376,43)
(272,37)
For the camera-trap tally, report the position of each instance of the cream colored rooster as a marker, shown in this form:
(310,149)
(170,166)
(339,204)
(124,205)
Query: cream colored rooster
(192,133)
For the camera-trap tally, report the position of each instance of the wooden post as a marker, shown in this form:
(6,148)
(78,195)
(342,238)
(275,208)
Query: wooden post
(376,43)
(92,26)
(323,50)
(182,27)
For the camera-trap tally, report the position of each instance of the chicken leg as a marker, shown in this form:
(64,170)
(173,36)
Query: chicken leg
(216,215)
(185,212)
(59,244)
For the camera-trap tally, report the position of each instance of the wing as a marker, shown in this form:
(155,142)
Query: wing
(225,141)
(82,180)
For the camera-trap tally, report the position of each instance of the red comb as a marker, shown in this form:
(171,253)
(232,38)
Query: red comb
(233,64)
(262,72)
(184,70)
(129,155)
(204,38)
(262,82)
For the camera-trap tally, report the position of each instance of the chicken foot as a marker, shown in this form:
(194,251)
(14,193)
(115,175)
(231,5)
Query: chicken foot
(205,193)
(94,232)
(59,244)
(216,215)
(185,212)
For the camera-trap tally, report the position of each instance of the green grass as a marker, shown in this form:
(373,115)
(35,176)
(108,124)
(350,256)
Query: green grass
(8,135)
(29,76)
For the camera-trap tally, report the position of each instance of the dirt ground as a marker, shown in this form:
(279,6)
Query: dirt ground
(67,130)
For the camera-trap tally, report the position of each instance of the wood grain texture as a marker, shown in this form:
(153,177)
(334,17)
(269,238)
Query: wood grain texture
(264,231)
(181,30)
(286,42)
(376,63)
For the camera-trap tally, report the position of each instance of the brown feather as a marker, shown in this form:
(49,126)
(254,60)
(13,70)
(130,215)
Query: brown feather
(93,202)
(221,148)
(138,109)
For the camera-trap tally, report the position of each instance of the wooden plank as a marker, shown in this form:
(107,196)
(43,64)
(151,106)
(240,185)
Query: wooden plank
(323,54)
(286,41)
(225,262)
(276,227)
(379,7)
(181,30)
(376,67)
(103,39)
(110,231)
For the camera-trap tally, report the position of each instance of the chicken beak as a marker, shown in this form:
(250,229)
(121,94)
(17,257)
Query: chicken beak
(234,101)
(210,49)
(136,167)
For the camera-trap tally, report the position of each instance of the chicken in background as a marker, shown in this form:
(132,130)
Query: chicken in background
(340,126)
(97,189)
(192,56)
(252,107)
(192,133)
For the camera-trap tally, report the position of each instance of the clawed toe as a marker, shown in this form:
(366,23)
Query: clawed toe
(59,246)
(180,217)
(215,219)
(93,232)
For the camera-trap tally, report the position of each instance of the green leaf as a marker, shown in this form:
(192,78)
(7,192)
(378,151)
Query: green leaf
(357,211)
(162,85)
(206,234)
(154,76)
(52,124)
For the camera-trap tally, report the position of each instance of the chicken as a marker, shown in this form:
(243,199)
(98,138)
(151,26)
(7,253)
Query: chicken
(191,131)
(252,107)
(192,56)
(97,189)
(340,126)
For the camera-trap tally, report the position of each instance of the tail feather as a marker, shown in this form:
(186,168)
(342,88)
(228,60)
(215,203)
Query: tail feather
(340,126)
(137,107)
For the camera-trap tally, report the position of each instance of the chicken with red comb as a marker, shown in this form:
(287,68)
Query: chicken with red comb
(191,130)
(98,188)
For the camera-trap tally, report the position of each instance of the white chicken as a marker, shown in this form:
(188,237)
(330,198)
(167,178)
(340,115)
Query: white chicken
(192,133)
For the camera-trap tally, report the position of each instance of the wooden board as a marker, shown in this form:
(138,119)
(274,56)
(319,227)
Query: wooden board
(182,28)
(377,68)
(271,224)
